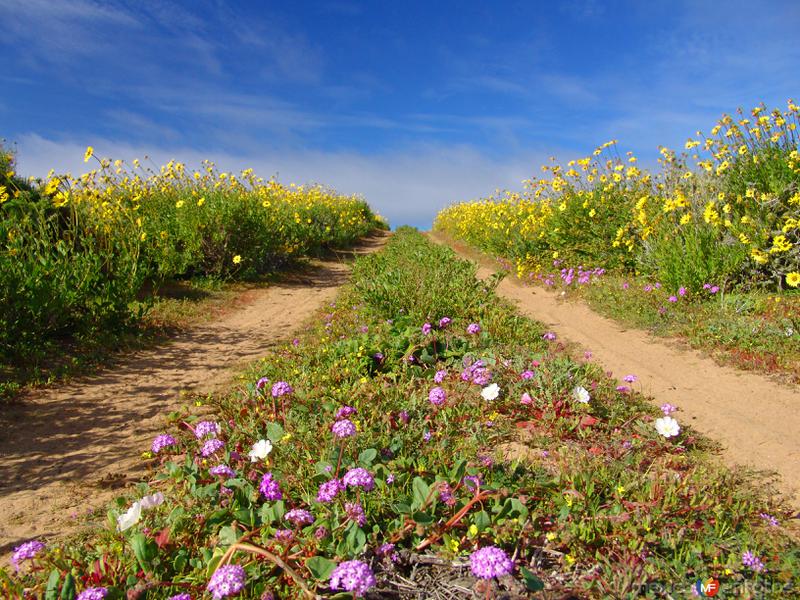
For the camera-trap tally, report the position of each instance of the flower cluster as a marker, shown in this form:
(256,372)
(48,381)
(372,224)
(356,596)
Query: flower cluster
(490,562)
(353,576)
(227,580)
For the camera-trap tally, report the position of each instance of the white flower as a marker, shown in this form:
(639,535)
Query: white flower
(149,502)
(490,392)
(130,518)
(260,451)
(667,426)
(581,394)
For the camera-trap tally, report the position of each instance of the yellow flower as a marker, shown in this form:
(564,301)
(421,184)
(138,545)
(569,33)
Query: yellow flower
(179,204)
(237,259)
(793,279)
(89,153)
(143,237)
(550,536)
(454,545)
(473,530)
(620,490)
(201,201)
(569,559)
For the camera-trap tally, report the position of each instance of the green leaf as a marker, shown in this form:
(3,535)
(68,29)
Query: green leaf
(422,518)
(421,491)
(320,567)
(402,508)
(275,432)
(68,590)
(228,536)
(482,520)
(368,456)
(532,582)
(458,470)
(356,539)
(144,550)
(51,592)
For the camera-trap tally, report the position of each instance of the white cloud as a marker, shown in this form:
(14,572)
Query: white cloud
(408,186)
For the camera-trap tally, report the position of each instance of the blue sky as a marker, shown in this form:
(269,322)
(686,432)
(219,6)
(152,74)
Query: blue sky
(413,104)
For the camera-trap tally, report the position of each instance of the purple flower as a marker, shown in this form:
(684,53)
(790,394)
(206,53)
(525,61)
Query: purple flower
(672,299)
(627,444)
(355,512)
(426,436)
(587,355)
(298,517)
(345,411)
(387,550)
(227,580)
(549,336)
(26,551)
(295,342)
(528,374)
(162,441)
(206,429)
(343,428)
(328,490)
(183,596)
(526,398)
(437,396)
(270,488)
(625,285)
(472,482)
(262,383)
(93,593)
(681,291)
(284,536)
(714,289)
(473,328)
(490,562)
(426,329)
(623,389)
(629,378)
(390,479)
(378,357)
(769,519)
(706,286)
(281,388)
(404,418)
(668,409)
(440,375)
(222,471)
(211,447)
(444,322)
(359,477)
(648,288)
(353,576)
(321,532)
(754,562)
(446,495)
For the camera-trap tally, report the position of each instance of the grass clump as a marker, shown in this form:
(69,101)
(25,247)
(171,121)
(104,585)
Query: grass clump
(408,437)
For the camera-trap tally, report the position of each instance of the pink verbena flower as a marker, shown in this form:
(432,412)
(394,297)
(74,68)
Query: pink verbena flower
(437,396)
(162,441)
(343,428)
(228,580)
(269,488)
(490,562)
(359,477)
(353,576)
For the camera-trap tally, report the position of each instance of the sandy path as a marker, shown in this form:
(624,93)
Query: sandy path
(61,450)
(755,419)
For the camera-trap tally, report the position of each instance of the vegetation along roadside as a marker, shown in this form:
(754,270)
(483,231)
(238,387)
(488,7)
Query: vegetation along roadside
(421,426)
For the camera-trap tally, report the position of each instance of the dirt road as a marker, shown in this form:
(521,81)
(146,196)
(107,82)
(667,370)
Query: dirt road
(755,419)
(64,449)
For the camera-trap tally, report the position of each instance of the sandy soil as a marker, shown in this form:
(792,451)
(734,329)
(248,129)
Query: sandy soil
(67,450)
(756,420)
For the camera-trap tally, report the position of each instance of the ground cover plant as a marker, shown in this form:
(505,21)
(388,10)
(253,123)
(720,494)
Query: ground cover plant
(721,216)
(76,253)
(422,439)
